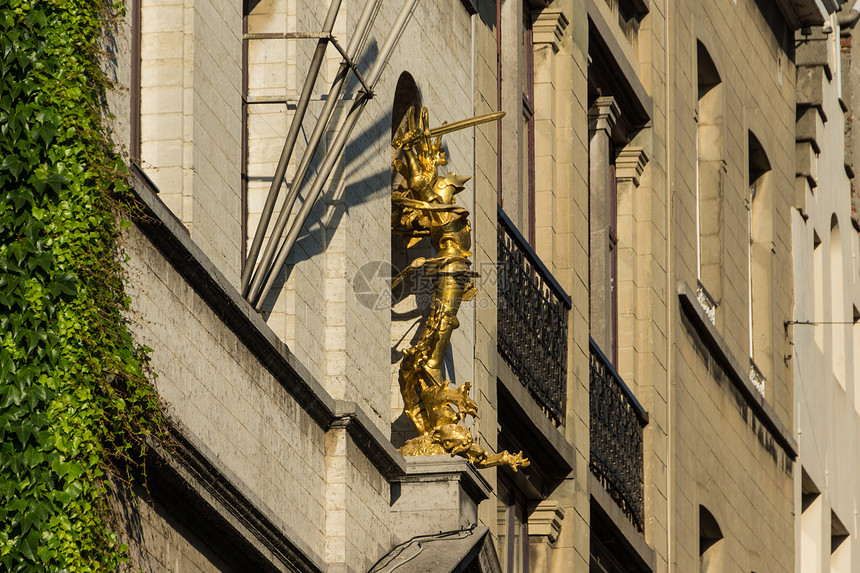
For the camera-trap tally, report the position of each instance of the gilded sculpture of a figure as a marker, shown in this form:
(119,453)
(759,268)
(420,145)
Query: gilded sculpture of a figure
(424,206)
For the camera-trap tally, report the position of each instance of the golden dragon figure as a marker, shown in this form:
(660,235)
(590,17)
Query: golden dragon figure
(424,206)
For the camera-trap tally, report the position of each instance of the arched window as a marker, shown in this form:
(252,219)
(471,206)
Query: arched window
(760,264)
(818,289)
(838,314)
(811,524)
(710,542)
(710,167)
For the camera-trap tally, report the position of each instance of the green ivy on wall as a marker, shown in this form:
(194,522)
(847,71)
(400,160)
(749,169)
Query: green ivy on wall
(75,404)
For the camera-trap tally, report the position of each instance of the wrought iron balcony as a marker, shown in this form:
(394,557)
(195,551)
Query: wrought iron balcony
(532,321)
(617,421)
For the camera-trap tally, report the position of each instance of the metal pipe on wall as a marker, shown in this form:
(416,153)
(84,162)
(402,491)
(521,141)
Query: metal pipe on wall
(289,143)
(333,154)
(355,45)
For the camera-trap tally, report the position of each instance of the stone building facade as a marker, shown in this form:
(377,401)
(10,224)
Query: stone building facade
(823,330)
(633,229)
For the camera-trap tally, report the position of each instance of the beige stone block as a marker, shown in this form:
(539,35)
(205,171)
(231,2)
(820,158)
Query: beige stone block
(158,101)
(162,18)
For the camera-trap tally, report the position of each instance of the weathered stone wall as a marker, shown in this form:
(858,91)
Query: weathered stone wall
(222,395)
(191,56)
(295,467)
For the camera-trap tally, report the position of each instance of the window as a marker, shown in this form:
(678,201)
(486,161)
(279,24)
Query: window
(527,75)
(515,45)
(811,525)
(838,318)
(710,168)
(760,261)
(612,241)
(513,530)
(840,546)
(603,217)
(710,543)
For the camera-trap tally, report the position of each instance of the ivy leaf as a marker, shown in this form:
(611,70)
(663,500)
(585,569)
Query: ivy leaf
(29,544)
(64,283)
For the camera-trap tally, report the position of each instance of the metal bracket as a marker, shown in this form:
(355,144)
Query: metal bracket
(315,36)
(287,36)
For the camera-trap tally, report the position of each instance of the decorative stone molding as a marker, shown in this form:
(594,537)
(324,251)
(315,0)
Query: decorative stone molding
(548,28)
(629,164)
(603,115)
(709,305)
(545,520)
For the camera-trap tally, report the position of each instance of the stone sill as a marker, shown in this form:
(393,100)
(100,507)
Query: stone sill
(735,372)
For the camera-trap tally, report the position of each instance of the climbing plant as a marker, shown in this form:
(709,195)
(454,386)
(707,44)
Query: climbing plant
(75,403)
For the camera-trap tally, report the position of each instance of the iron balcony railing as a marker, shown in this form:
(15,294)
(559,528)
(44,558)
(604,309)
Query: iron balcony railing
(617,421)
(532,321)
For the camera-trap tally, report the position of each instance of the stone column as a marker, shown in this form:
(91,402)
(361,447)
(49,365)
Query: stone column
(601,120)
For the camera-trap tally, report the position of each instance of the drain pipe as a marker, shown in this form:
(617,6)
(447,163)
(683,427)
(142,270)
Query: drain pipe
(333,153)
(670,525)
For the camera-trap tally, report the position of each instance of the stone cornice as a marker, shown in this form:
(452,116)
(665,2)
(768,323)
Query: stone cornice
(737,373)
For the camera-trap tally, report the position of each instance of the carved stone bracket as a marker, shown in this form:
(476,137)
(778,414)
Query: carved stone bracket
(548,28)
(603,115)
(629,164)
(545,520)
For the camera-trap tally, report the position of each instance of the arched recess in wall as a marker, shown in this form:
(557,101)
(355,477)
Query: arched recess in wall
(760,261)
(406,96)
(818,290)
(711,543)
(838,315)
(405,312)
(710,168)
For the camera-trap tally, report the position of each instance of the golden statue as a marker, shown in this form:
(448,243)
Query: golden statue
(424,206)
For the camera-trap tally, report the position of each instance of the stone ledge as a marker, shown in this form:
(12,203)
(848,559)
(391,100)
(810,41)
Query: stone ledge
(736,373)
(171,239)
(637,548)
(556,455)
(437,493)
(370,440)
(423,468)
(799,13)
(455,551)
